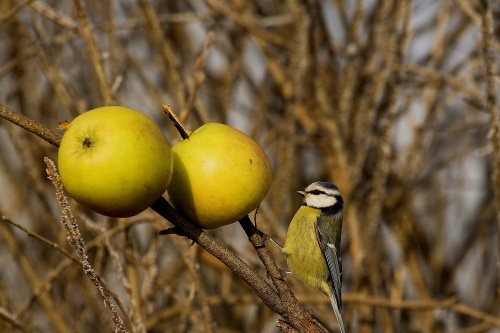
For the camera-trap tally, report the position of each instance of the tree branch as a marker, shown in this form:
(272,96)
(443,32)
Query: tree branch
(30,125)
(185,228)
(300,319)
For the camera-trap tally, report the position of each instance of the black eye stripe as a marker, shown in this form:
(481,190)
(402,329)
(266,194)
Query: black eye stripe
(318,192)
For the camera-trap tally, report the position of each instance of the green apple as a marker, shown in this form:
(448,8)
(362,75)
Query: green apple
(220,175)
(115,161)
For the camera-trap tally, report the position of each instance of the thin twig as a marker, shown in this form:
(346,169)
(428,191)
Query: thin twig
(135,315)
(12,319)
(422,305)
(154,32)
(14,10)
(76,241)
(94,53)
(248,23)
(198,77)
(40,238)
(208,319)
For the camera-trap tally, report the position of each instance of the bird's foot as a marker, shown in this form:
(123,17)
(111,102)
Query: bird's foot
(266,237)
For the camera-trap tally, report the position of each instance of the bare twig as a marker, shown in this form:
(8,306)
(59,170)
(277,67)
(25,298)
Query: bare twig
(29,273)
(208,319)
(30,125)
(221,252)
(164,50)
(76,241)
(423,305)
(13,11)
(135,315)
(198,77)
(94,53)
(40,238)
(11,319)
(247,23)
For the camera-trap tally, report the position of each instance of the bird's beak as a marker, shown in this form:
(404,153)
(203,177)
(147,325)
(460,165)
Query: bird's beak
(302,193)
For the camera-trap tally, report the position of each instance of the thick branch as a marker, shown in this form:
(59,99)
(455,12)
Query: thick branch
(185,228)
(299,318)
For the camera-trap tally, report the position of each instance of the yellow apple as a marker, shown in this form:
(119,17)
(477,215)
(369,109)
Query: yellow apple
(115,161)
(220,175)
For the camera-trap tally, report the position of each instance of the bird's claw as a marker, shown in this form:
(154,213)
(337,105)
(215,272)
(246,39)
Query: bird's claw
(174,231)
(283,274)
(266,237)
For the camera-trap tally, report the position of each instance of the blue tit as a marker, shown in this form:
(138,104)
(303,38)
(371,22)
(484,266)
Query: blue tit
(312,245)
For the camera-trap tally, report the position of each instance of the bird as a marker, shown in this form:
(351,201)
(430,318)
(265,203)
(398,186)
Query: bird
(312,245)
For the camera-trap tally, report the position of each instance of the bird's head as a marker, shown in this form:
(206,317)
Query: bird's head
(322,195)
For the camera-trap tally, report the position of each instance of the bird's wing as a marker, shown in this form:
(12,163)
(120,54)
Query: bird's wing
(333,260)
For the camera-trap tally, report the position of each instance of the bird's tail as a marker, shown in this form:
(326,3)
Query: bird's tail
(337,313)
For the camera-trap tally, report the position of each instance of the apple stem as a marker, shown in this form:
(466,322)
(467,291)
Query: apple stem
(177,123)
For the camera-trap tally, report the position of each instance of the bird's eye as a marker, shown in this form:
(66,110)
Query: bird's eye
(316,192)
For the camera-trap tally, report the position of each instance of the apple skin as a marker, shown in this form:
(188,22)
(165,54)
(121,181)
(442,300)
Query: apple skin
(114,161)
(220,175)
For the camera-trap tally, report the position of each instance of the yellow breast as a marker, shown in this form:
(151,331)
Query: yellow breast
(302,250)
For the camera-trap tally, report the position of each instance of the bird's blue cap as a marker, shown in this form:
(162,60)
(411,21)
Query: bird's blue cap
(327,185)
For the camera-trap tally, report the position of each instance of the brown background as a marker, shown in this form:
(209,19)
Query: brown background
(387,99)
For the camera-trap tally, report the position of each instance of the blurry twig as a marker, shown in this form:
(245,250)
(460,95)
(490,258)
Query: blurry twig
(429,76)
(394,55)
(40,289)
(187,258)
(94,53)
(450,303)
(166,53)
(13,11)
(45,303)
(10,65)
(40,238)
(54,15)
(76,241)
(198,77)
(14,321)
(248,23)
(135,315)
(491,101)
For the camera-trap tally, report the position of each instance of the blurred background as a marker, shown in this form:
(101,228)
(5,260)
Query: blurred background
(384,98)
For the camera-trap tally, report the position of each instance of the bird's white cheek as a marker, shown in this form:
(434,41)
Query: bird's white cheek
(320,201)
